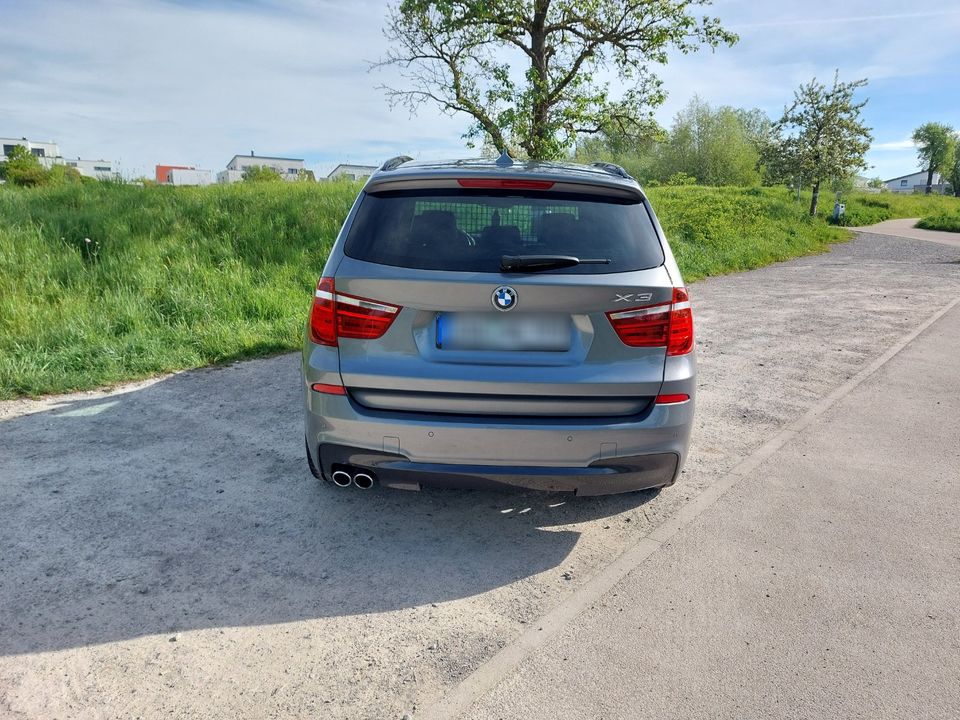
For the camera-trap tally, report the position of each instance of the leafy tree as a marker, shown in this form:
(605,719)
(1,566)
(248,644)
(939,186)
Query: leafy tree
(24,169)
(821,136)
(460,55)
(709,144)
(260,173)
(717,146)
(876,183)
(934,143)
(951,167)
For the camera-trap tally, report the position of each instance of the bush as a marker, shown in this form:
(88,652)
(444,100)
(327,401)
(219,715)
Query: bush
(260,173)
(942,221)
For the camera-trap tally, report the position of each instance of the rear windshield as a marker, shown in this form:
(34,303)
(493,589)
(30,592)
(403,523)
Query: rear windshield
(470,231)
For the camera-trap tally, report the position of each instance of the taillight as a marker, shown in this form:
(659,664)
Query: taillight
(337,315)
(323,317)
(668,324)
(680,341)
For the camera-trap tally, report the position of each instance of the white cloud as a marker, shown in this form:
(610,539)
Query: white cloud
(906,144)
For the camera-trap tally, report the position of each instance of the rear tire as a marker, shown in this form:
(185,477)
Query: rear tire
(313,468)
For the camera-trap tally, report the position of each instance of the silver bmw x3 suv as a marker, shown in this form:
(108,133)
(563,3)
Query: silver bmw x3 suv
(487,323)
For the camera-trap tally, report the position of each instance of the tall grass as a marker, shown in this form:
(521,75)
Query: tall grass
(103,283)
(713,231)
(943,220)
(106,283)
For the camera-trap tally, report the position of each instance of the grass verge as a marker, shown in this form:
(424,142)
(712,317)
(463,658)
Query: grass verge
(947,221)
(105,283)
(863,209)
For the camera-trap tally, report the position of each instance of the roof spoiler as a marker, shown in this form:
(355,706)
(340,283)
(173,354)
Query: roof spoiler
(395,162)
(613,169)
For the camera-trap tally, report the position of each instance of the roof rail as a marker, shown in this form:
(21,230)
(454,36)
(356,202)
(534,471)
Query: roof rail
(613,169)
(395,162)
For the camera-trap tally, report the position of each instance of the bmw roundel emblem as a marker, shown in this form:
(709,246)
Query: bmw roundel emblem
(504,298)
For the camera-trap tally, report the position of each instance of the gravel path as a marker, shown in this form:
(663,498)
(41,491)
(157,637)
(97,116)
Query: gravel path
(164,550)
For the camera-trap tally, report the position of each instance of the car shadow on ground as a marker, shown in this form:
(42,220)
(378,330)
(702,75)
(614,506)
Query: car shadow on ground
(187,504)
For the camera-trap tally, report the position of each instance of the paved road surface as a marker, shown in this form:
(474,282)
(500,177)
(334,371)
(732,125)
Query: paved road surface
(825,584)
(163,551)
(906,228)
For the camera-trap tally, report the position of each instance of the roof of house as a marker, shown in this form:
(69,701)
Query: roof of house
(916,172)
(264,157)
(371,168)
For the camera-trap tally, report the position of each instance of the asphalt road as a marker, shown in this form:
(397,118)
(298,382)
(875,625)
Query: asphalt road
(824,584)
(163,551)
(907,228)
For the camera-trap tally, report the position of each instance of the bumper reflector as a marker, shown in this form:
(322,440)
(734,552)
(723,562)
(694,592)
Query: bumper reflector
(672,399)
(329,389)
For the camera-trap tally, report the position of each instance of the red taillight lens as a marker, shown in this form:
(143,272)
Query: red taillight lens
(680,341)
(667,325)
(323,317)
(501,184)
(336,315)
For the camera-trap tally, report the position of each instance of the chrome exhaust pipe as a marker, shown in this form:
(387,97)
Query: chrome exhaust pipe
(341,478)
(363,481)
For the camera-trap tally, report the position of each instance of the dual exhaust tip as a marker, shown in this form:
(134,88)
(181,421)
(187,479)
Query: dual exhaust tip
(357,478)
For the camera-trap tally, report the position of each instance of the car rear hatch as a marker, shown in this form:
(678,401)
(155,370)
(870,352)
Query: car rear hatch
(465,338)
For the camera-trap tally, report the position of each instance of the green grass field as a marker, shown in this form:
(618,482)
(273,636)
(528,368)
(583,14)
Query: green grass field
(104,283)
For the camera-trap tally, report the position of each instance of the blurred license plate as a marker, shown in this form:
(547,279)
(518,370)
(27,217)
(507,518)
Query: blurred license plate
(489,331)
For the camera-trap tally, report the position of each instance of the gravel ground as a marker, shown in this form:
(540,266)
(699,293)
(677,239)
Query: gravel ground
(164,551)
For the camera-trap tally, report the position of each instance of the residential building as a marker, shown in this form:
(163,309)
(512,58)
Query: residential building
(162,172)
(189,176)
(48,153)
(225,177)
(99,169)
(39,149)
(351,172)
(287,168)
(915,182)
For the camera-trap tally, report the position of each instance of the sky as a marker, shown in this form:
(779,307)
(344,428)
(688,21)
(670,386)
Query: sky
(194,82)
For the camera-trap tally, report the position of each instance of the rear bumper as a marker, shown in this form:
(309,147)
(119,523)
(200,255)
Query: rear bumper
(604,477)
(588,456)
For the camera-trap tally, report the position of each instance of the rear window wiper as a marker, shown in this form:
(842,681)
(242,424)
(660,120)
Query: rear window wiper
(538,263)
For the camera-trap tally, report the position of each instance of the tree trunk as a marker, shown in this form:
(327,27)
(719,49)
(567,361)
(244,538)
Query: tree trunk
(539,132)
(929,180)
(815,199)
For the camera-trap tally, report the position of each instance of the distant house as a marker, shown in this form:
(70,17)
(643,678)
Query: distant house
(99,169)
(162,172)
(48,153)
(287,168)
(915,182)
(351,172)
(38,149)
(189,176)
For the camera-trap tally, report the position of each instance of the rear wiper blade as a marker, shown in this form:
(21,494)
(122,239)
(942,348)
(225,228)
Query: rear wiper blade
(538,263)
